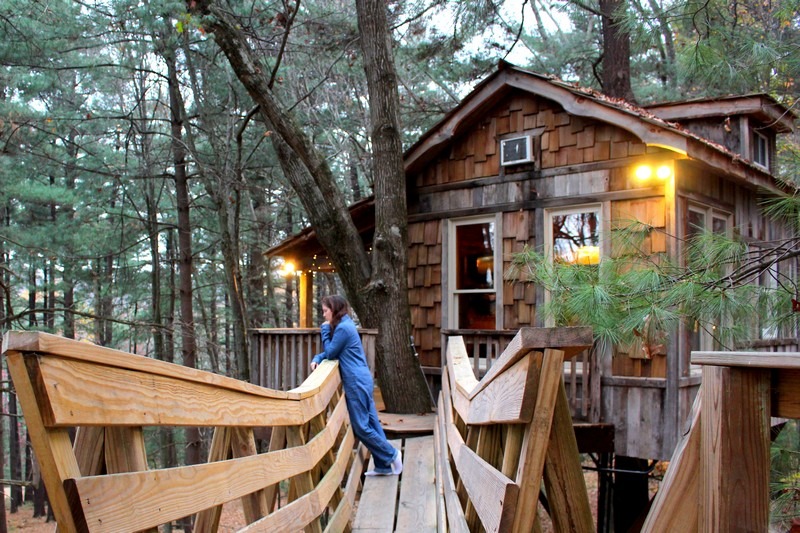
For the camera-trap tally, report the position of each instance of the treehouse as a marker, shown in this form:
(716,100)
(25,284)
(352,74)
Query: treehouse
(530,161)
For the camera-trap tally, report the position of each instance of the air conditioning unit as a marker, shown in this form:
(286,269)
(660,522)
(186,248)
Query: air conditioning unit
(516,150)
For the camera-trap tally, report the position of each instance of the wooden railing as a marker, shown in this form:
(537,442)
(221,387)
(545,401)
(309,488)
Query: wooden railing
(106,481)
(500,436)
(281,356)
(484,347)
(718,478)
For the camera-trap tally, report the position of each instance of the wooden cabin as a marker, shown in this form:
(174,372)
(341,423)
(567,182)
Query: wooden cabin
(528,160)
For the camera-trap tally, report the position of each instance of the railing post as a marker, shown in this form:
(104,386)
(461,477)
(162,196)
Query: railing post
(734,487)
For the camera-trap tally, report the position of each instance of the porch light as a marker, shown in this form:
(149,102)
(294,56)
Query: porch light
(288,269)
(587,255)
(646,172)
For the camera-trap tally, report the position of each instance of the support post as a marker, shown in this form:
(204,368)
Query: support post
(304,278)
(734,492)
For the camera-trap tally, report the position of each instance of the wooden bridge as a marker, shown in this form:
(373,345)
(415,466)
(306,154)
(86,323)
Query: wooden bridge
(497,441)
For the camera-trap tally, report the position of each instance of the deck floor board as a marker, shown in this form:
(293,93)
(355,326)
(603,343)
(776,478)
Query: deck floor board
(401,503)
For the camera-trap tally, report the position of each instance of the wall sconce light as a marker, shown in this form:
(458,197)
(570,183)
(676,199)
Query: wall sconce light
(646,172)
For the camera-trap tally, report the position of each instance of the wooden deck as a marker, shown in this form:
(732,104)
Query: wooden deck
(401,503)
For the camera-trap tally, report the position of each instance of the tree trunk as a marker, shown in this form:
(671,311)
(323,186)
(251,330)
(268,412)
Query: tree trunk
(14,454)
(188,341)
(169,454)
(616,75)
(311,178)
(387,306)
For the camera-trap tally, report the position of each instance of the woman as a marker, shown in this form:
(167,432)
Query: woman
(341,341)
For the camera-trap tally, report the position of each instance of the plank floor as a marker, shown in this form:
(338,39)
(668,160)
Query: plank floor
(401,503)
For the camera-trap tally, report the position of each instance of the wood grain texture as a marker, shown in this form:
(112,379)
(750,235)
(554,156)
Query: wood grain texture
(52,447)
(307,509)
(207,520)
(734,488)
(786,393)
(80,393)
(508,399)
(748,359)
(376,507)
(456,521)
(534,448)
(675,507)
(45,343)
(341,517)
(89,449)
(571,340)
(563,476)
(416,507)
(132,501)
(243,444)
(492,494)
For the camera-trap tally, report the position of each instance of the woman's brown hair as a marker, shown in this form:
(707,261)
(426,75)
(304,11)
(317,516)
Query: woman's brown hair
(338,305)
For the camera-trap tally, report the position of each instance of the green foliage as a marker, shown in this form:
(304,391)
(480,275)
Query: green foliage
(785,477)
(636,294)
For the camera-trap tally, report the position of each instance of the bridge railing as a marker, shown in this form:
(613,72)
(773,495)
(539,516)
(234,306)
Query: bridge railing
(719,476)
(106,482)
(281,356)
(500,436)
(484,347)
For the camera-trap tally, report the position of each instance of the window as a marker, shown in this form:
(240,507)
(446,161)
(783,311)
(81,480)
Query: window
(572,235)
(703,218)
(473,275)
(760,147)
(768,281)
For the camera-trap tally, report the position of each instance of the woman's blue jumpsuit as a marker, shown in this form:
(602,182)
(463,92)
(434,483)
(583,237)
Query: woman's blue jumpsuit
(345,345)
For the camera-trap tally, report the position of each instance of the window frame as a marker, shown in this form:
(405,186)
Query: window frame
(597,207)
(452,291)
(706,340)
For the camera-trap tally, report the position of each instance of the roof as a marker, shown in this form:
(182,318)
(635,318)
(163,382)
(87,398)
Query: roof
(651,125)
(759,105)
(582,101)
(305,243)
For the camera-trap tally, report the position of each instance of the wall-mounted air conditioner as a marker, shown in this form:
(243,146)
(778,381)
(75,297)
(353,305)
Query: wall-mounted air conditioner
(516,150)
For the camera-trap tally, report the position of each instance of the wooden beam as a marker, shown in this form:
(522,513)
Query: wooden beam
(136,500)
(675,507)
(45,343)
(734,492)
(570,340)
(306,510)
(534,448)
(774,360)
(563,476)
(53,447)
(786,393)
(207,520)
(306,297)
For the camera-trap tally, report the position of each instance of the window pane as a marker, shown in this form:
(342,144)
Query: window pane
(697,223)
(475,256)
(576,237)
(476,311)
(719,226)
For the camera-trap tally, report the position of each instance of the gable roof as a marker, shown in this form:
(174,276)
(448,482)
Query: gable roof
(580,101)
(584,102)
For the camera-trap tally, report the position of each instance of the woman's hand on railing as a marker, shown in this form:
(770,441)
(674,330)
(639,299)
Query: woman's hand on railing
(313,366)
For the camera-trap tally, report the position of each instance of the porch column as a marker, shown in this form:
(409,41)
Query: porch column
(306,297)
